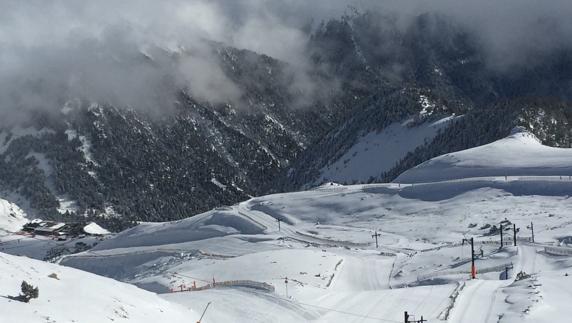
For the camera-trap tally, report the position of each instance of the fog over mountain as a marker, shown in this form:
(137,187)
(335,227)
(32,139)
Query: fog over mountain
(139,53)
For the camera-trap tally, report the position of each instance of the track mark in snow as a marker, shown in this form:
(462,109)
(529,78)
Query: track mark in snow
(363,274)
(478,295)
(527,259)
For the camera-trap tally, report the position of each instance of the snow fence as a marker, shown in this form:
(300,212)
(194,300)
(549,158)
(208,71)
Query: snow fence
(232,283)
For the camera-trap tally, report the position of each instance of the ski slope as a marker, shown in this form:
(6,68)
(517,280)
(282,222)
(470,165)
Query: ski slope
(520,154)
(477,302)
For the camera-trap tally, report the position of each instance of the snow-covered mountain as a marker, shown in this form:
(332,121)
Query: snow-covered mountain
(100,161)
(391,166)
(373,149)
(441,73)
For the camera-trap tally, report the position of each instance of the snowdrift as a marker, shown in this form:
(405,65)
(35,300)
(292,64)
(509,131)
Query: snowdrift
(520,154)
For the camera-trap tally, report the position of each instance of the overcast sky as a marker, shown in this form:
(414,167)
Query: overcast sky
(53,50)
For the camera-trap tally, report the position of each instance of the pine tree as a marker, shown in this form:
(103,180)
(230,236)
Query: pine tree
(28,292)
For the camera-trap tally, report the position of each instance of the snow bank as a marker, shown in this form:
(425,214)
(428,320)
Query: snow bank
(520,154)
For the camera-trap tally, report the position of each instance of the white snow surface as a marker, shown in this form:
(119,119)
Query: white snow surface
(12,218)
(94,228)
(377,152)
(520,154)
(77,296)
(325,248)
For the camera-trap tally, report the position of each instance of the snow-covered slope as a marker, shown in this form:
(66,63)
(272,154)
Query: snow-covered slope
(377,152)
(12,218)
(520,154)
(75,296)
(324,246)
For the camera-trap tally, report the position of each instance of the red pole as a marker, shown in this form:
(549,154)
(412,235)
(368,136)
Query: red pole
(473,268)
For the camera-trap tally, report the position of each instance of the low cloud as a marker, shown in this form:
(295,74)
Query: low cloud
(137,53)
(132,53)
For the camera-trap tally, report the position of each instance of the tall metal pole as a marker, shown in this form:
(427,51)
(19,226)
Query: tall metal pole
(473,268)
(375,235)
(514,233)
(532,228)
(501,240)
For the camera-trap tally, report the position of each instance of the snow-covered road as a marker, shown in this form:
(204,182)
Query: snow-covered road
(527,259)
